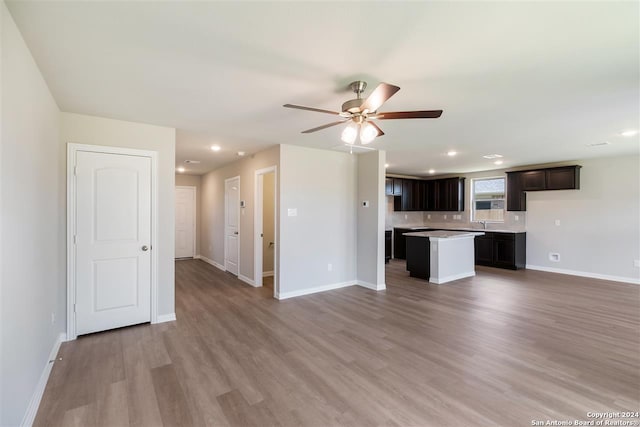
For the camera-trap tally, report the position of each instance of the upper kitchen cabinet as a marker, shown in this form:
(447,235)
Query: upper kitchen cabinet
(558,178)
(393,186)
(430,195)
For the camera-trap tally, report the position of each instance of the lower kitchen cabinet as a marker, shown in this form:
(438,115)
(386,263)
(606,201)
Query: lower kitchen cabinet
(503,250)
(387,245)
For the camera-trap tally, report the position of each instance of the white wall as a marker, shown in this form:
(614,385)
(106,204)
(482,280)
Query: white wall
(117,133)
(370,220)
(32,277)
(212,224)
(599,232)
(321,185)
(193,181)
(268,210)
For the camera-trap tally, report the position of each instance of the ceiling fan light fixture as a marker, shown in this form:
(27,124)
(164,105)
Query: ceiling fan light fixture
(350,133)
(368,133)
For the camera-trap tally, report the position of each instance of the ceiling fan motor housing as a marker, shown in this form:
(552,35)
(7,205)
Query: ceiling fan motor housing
(352,105)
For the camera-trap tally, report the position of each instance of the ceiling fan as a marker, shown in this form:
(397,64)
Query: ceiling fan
(361,113)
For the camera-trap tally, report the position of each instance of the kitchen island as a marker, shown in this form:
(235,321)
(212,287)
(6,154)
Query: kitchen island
(441,256)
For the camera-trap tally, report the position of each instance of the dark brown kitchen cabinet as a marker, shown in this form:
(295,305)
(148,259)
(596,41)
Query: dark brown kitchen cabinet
(400,241)
(449,194)
(533,180)
(558,178)
(387,245)
(563,178)
(393,186)
(502,250)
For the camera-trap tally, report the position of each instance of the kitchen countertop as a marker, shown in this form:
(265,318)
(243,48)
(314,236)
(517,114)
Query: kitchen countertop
(445,234)
(430,227)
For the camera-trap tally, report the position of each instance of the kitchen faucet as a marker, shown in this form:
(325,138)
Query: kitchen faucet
(484,224)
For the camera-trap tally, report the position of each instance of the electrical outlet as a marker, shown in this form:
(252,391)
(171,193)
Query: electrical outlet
(558,222)
(329,267)
(428,216)
(53,318)
(365,204)
(406,216)
(554,257)
(636,262)
(292,212)
(516,217)
(445,217)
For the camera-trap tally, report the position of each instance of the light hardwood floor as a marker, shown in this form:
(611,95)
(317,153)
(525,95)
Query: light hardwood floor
(502,348)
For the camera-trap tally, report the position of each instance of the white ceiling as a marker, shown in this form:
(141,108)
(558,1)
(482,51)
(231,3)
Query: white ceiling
(533,81)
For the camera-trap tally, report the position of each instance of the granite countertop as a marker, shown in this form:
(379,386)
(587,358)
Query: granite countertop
(445,234)
(432,227)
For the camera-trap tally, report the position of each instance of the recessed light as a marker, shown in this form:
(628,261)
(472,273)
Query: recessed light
(492,156)
(241,153)
(629,133)
(180,169)
(215,148)
(497,162)
(432,171)
(451,153)
(386,165)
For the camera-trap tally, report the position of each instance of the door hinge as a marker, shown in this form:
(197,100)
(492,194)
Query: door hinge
(75,170)
(74,239)
(74,307)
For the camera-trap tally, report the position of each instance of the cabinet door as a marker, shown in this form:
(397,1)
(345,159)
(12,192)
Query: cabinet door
(484,249)
(563,178)
(430,195)
(397,186)
(399,243)
(533,180)
(417,196)
(407,195)
(504,251)
(516,198)
(388,186)
(387,245)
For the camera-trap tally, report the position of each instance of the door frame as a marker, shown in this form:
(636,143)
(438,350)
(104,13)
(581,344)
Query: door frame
(195,204)
(72,150)
(257,225)
(224,261)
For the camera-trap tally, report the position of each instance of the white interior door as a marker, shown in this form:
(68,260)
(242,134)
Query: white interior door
(113,241)
(231,224)
(185,222)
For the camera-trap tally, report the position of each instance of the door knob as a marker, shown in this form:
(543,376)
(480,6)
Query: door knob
(145,248)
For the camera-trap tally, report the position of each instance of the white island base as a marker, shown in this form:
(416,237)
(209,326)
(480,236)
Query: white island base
(451,254)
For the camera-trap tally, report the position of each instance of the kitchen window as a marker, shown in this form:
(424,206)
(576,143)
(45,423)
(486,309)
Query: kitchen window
(487,199)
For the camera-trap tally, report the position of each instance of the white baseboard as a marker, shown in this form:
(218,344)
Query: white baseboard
(267,273)
(451,278)
(245,279)
(34,403)
(584,274)
(292,294)
(379,287)
(166,318)
(212,262)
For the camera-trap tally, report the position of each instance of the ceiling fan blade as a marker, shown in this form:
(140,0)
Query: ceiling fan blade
(429,114)
(380,133)
(318,110)
(378,97)
(324,126)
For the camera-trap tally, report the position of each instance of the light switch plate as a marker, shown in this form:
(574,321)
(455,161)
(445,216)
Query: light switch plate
(292,212)
(365,204)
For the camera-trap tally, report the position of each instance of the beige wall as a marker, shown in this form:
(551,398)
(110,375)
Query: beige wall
(117,133)
(32,278)
(268,210)
(212,194)
(192,181)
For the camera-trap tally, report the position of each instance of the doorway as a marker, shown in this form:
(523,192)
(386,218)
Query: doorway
(185,222)
(232,225)
(265,243)
(111,229)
